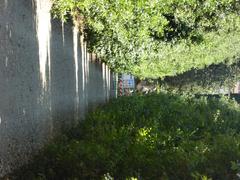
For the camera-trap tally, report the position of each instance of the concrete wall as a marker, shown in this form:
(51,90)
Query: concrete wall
(47,79)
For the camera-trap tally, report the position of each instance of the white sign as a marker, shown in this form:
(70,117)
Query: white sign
(128,81)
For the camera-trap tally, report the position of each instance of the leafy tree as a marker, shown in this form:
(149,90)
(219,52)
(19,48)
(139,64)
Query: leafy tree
(157,38)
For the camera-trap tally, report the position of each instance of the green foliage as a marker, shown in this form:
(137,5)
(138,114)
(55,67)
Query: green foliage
(157,38)
(162,136)
(208,80)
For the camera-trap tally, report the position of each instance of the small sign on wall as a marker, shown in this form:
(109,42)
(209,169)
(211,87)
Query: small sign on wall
(126,85)
(128,81)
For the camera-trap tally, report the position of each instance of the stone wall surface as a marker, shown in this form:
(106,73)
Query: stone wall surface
(47,79)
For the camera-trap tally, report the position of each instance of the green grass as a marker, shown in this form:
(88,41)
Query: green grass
(158,136)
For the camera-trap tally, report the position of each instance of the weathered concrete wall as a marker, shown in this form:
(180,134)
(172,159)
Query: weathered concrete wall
(47,79)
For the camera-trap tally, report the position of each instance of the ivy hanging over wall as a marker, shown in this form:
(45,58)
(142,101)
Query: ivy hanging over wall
(157,38)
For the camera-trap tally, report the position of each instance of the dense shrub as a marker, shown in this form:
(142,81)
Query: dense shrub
(159,136)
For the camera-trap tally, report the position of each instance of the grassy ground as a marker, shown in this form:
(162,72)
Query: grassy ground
(158,136)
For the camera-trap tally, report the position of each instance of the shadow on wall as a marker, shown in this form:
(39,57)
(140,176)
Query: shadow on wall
(47,81)
(62,83)
(78,83)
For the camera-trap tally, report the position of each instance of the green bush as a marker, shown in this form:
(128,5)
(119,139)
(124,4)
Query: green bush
(158,136)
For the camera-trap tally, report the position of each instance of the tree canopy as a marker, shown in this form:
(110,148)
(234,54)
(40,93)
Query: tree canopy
(157,38)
